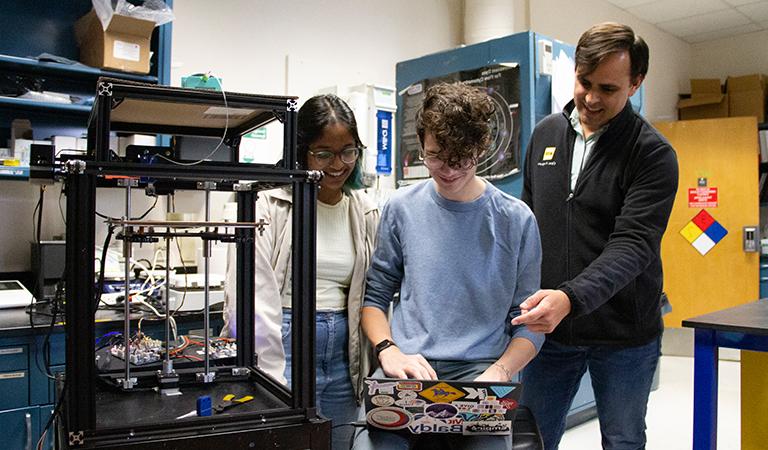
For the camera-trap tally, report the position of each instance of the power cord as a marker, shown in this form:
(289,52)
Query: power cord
(357,424)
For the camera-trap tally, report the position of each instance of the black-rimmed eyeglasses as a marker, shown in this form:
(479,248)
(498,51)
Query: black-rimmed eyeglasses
(324,157)
(434,162)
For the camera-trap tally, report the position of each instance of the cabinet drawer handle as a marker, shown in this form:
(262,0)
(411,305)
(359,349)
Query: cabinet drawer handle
(28,425)
(763,278)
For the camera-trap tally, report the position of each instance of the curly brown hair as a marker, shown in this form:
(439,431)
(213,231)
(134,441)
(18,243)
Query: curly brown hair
(458,116)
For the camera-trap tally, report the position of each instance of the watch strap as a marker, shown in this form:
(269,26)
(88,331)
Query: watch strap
(386,343)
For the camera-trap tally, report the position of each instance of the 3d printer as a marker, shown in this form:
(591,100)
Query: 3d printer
(131,402)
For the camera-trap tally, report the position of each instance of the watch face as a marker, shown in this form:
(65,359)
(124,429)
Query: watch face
(383,344)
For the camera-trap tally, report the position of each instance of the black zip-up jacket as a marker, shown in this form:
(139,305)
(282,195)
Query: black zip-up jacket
(602,241)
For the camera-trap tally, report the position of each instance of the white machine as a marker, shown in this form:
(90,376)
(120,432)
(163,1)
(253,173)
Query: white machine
(187,292)
(14,295)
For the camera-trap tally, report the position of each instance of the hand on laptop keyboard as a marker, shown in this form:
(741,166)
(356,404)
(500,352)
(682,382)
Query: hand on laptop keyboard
(397,364)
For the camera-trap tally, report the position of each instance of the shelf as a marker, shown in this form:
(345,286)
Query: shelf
(32,105)
(29,65)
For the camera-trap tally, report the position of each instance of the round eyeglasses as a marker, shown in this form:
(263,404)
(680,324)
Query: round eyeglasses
(435,162)
(324,157)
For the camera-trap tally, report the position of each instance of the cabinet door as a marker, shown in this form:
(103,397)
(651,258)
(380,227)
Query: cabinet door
(20,428)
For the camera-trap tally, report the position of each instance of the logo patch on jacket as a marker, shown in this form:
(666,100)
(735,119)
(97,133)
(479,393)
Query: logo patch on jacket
(548,157)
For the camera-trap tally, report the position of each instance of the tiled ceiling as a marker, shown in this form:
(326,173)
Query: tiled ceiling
(700,20)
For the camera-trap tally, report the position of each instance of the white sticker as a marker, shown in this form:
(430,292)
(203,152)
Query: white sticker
(127,51)
(11,351)
(7,376)
(382,400)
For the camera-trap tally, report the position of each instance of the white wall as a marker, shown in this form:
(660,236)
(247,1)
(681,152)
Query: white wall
(297,47)
(670,60)
(738,55)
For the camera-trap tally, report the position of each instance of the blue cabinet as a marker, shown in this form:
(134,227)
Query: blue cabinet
(21,427)
(27,396)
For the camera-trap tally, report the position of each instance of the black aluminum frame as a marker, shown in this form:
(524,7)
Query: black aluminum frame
(81,178)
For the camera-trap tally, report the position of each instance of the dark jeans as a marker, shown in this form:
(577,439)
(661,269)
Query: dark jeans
(621,380)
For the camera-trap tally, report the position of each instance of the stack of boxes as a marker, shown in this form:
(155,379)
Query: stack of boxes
(741,96)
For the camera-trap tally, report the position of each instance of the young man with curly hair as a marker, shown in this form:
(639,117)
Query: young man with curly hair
(463,256)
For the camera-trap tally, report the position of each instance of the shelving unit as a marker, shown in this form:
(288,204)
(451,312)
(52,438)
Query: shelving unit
(30,29)
(50,25)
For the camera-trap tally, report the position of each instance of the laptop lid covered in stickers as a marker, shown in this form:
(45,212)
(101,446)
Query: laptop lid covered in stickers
(441,406)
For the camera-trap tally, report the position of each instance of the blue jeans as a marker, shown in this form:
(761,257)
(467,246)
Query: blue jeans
(621,380)
(374,439)
(335,396)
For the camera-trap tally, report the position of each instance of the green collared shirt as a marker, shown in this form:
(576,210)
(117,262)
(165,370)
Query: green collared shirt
(582,147)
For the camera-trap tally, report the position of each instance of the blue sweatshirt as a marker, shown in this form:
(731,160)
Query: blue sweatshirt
(460,267)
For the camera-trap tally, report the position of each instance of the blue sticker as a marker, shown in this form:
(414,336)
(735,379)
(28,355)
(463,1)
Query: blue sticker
(502,391)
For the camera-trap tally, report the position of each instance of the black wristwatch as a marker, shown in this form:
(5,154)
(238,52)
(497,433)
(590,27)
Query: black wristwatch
(386,343)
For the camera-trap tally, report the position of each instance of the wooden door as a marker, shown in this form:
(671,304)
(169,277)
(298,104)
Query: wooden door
(720,156)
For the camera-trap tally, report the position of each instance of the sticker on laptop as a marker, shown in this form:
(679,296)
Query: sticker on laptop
(382,400)
(409,385)
(378,387)
(389,418)
(426,424)
(441,410)
(441,393)
(502,427)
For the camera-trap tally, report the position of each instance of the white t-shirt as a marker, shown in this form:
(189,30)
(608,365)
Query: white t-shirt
(335,257)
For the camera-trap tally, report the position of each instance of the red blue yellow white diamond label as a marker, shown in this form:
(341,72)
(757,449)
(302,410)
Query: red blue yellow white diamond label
(703,232)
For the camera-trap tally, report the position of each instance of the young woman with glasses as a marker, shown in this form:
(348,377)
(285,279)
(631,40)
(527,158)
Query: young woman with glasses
(347,219)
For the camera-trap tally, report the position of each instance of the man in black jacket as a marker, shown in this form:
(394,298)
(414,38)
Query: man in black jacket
(601,182)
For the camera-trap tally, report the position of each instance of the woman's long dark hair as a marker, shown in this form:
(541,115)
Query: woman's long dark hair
(315,115)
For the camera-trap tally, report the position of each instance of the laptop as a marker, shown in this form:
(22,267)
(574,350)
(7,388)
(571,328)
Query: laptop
(441,406)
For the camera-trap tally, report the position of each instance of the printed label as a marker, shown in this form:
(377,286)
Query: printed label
(8,376)
(11,350)
(127,51)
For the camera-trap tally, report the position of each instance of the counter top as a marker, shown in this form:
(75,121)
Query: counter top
(750,318)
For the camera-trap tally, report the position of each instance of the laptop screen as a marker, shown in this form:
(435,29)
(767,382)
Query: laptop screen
(441,406)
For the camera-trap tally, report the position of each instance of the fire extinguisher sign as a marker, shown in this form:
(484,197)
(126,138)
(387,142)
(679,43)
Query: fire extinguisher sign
(702,197)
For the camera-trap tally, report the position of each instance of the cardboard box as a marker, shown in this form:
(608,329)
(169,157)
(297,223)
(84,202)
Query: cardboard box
(746,96)
(124,45)
(707,101)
